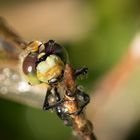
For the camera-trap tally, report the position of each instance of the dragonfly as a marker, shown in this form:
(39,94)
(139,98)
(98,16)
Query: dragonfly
(24,65)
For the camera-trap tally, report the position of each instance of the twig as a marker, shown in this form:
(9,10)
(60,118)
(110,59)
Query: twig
(81,126)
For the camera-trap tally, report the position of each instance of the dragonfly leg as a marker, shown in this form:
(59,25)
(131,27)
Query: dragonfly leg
(81,71)
(64,116)
(60,109)
(85,100)
(46,105)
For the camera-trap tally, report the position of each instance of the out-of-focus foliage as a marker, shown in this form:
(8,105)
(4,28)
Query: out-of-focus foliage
(95,33)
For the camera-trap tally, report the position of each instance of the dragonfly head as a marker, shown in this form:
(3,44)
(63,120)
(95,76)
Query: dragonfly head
(44,62)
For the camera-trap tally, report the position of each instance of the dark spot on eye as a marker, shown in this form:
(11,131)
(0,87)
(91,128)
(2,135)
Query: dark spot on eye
(29,63)
(29,83)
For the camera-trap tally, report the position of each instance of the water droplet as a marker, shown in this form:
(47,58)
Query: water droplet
(15,77)
(23,86)
(2,77)
(7,72)
(3,90)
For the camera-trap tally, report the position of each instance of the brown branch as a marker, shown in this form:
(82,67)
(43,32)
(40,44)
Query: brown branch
(81,125)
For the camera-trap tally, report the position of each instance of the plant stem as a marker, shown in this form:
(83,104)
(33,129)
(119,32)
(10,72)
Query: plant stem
(81,126)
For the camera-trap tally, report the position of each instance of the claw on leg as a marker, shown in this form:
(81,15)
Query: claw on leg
(81,71)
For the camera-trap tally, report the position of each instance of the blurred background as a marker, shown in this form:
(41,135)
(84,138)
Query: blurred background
(102,35)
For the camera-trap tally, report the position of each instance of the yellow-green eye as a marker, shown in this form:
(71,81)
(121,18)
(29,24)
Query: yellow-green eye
(29,68)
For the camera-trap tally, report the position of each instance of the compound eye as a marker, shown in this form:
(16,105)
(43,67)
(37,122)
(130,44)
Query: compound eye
(29,68)
(53,48)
